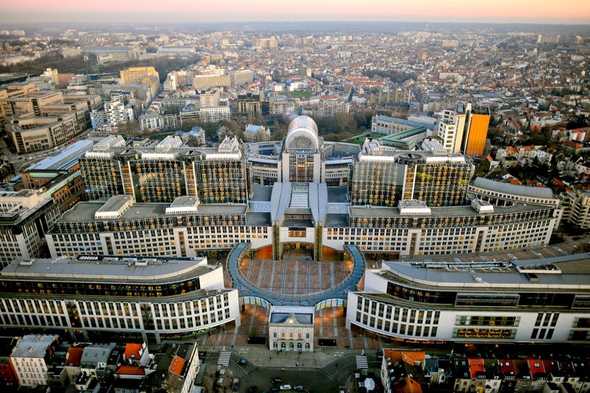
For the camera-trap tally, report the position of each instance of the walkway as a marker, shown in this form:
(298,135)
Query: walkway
(338,291)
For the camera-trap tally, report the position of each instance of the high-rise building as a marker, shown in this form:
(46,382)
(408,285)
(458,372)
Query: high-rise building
(241,77)
(25,217)
(267,43)
(249,104)
(450,129)
(34,102)
(168,197)
(4,108)
(166,170)
(476,133)
(58,176)
(576,204)
(393,125)
(464,131)
(384,176)
(211,79)
(145,76)
(101,171)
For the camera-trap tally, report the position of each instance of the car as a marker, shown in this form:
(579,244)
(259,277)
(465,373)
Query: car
(298,388)
(235,384)
(286,387)
(242,361)
(277,381)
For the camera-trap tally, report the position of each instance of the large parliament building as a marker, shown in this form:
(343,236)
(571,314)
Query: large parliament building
(170,199)
(130,257)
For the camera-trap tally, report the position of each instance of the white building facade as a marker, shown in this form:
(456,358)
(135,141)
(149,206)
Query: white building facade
(290,329)
(529,301)
(141,295)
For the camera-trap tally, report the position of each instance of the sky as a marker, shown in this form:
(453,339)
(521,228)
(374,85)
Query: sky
(529,11)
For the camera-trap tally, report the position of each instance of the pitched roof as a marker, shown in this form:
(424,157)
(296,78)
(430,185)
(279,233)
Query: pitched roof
(133,351)
(74,356)
(130,370)
(176,365)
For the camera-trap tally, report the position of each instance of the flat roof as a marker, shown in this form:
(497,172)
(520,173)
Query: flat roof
(507,188)
(94,354)
(570,272)
(114,203)
(258,219)
(444,211)
(33,346)
(65,158)
(107,269)
(338,194)
(84,211)
(261,193)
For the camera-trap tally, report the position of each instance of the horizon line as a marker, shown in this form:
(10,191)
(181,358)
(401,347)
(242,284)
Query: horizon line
(237,21)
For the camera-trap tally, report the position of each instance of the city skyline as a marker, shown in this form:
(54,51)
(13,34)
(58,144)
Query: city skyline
(264,196)
(502,11)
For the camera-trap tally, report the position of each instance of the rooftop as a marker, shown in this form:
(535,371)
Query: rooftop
(535,192)
(107,269)
(95,354)
(445,211)
(570,272)
(65,158)
(85,211)
(292,315)
(33,346)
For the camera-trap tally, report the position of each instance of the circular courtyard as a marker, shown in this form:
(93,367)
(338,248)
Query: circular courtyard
(295,279)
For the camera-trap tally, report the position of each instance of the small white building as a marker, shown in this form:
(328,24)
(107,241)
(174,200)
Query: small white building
(254,133)
(290,328)
(29,359)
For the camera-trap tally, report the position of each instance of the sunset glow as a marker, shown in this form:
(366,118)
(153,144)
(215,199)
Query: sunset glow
(566,11)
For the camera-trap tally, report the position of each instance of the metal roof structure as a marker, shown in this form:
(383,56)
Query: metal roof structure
(340,291)
(524,274)
(108,269)
(507,188)
(33,346)
(65,158)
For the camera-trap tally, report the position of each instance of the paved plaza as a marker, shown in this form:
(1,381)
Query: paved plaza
(296,274)
(329,323)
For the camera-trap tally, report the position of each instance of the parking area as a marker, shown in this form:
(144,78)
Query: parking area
(242,375)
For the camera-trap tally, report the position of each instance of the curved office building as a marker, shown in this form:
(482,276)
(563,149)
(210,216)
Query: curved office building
(141,295)
(170,199)
(541,300)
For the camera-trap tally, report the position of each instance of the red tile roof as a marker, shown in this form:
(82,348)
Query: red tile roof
(408,385)
(476,368)
(74,356)
(507,367)
(130,370)
(176,365)
(132,350)
(536,368)
(408,357)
